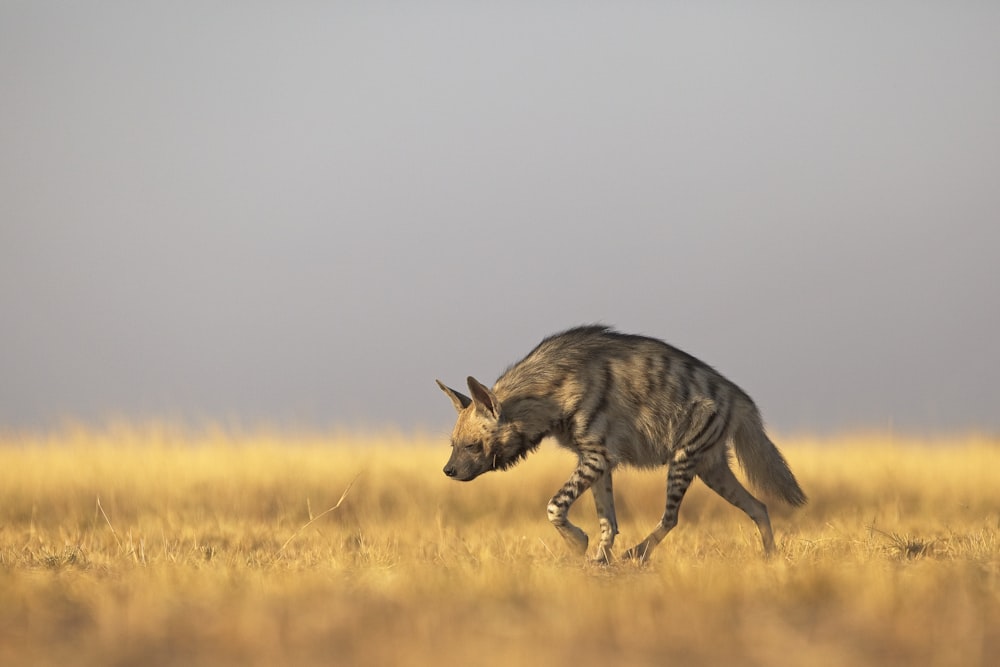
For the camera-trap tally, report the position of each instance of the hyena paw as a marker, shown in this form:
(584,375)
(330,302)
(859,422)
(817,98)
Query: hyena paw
(639,553)
(602,557)
(581,543)
(576,539)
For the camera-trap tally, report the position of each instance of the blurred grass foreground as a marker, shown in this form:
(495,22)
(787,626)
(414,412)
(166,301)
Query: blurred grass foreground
(156,546)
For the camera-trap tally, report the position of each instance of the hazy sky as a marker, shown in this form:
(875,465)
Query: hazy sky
(305,212)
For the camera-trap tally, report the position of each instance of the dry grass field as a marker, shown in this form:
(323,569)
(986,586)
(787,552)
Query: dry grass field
(156,546)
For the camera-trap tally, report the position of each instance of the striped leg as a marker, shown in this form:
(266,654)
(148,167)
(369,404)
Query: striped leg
(702,430)
(592,466)
(718,476)
(679,478)
(604,500)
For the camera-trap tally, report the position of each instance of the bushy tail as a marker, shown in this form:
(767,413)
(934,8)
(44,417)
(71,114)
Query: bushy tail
(762,462)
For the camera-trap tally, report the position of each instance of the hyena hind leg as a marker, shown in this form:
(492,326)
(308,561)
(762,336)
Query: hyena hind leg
(678,480)
(719,477)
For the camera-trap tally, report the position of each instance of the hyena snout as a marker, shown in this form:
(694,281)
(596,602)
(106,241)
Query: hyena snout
(462,474)
(464,468)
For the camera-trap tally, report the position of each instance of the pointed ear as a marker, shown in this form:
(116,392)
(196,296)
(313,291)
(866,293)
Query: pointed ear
(484,399)
(461,401)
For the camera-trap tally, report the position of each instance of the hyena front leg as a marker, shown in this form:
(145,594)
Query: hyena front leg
(592,467)
(682,470)
(604,501)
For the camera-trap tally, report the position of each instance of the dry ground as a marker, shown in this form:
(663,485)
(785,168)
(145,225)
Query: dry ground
(155,546)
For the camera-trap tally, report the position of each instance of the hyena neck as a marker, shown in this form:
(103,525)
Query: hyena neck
(525,428)
(516,449)
(531,410)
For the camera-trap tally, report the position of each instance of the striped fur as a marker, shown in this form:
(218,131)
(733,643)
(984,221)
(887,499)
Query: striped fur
(617,399)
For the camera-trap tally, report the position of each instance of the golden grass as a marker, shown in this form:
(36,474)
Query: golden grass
(154,546)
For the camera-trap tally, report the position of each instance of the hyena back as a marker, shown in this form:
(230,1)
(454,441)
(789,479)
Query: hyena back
(614,399)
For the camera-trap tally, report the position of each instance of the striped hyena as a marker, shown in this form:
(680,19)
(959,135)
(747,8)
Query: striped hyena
(615,399)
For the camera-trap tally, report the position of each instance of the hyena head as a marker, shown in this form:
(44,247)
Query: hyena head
(483,439)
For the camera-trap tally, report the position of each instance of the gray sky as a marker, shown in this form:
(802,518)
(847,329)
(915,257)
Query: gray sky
(303,213)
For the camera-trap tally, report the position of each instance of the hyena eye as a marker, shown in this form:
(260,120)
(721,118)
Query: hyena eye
(474,447)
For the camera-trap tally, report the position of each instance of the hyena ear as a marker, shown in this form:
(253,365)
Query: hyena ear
(484,399)
(461,401)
